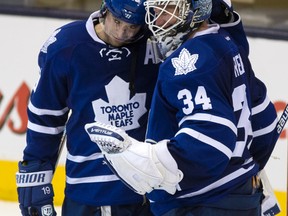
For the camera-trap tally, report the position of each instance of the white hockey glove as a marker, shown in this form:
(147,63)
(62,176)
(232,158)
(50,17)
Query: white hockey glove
(140,165)
(270,205)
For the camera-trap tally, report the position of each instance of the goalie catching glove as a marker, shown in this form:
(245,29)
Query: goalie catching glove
(142,166)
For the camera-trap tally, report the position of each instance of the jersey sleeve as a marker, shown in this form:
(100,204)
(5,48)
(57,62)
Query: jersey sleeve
(237,33)
(264,121)
(47,109)
(199,147)
(161,114)
(264,116)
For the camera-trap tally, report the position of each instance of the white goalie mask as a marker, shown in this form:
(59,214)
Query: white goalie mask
(184,17)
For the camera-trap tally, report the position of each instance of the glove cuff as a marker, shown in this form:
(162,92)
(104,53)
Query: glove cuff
(165,157)
(34,178)
(34,173)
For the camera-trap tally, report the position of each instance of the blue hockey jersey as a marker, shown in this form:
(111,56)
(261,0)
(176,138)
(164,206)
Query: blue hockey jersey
(217,115)
(82,75)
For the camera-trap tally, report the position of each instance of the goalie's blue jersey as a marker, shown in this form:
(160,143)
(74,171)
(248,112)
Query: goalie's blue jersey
(217,115)
(82,74)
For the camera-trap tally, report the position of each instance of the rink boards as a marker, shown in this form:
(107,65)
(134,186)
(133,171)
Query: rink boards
(19,72)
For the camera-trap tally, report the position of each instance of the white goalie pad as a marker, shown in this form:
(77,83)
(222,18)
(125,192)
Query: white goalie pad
(142,166)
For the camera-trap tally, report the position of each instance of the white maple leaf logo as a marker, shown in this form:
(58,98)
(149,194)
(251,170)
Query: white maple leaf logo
(50,40)
(120,110)
(185,63)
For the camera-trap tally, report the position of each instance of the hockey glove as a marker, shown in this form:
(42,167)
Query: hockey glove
(269,205)
(222,11)
(142,166)
(35,192)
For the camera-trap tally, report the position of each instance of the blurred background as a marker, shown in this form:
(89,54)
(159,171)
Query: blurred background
(264,14)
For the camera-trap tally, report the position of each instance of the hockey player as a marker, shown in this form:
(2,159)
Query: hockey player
(102,69)
(211,121)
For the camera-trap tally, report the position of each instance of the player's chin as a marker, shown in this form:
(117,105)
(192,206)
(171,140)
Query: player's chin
(118,42)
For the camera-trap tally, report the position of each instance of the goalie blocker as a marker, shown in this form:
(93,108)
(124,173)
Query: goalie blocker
(140,165)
